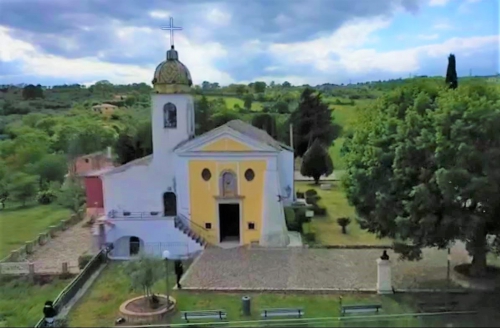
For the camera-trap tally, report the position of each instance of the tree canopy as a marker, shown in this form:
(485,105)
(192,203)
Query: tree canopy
(424,168)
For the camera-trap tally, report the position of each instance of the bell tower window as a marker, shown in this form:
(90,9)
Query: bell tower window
(169,116)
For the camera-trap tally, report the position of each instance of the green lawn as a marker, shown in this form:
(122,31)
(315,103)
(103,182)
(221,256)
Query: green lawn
(18,224)
(99,307)
(21,302)
(231,101)
(327,231)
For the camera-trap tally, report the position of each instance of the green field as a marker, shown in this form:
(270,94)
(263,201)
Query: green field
(326,229)
(19,225)
(232,101)
(21,302)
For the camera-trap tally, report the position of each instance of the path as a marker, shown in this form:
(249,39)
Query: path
(335,176)
(67,246)
(312,269)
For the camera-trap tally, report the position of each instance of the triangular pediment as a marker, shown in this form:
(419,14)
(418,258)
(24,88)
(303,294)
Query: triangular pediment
(224,139)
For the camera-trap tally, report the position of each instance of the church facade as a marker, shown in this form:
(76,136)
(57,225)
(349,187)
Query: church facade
(227,186)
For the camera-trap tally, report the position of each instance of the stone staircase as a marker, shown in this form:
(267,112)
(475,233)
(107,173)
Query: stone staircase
(183,225)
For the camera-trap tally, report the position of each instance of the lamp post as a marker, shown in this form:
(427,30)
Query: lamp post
(166,255)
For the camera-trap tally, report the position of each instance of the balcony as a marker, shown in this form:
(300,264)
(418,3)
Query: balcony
(135,215)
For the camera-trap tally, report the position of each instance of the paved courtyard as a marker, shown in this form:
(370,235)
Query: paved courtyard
(67,246)
(313,269)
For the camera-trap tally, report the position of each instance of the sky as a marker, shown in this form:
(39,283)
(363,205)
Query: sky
(312,42)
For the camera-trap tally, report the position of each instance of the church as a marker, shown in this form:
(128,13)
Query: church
(227,187)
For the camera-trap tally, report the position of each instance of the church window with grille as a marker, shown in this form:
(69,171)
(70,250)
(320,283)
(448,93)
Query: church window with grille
(169,115)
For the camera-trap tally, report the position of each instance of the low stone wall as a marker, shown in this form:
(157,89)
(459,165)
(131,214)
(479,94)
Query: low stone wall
(351,246)
(20,254)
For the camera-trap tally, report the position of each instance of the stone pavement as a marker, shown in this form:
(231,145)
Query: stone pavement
(312,269)
(67,246)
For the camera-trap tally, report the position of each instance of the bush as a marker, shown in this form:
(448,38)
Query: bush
(311,193)
(309,237)
(344,222)
(83,260)
(45,197)
(291,220)
(319,210)
(301,194)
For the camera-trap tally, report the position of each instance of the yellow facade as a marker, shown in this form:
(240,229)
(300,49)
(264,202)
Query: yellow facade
(226,144)
(205,195)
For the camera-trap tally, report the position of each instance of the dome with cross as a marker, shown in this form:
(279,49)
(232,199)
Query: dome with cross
(172,76)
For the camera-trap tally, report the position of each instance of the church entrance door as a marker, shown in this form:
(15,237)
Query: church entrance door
(229,222)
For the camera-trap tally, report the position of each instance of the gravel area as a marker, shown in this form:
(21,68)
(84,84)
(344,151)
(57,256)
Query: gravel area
(67,246)
(314,269)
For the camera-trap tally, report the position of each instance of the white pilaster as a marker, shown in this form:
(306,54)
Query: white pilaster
(384,280)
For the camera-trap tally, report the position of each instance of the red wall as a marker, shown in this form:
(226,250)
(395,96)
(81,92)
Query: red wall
(93,189)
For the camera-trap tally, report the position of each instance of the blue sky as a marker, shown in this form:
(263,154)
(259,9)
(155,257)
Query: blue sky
(238,41)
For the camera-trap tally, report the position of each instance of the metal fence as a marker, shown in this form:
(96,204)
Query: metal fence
(77,283)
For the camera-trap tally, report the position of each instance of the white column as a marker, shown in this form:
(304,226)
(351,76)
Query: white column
(384,281)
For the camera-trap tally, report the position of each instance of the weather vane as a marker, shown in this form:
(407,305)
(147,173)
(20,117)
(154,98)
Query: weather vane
(171,28)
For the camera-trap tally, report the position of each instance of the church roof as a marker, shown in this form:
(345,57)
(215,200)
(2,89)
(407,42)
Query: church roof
(140,161)
(249,131)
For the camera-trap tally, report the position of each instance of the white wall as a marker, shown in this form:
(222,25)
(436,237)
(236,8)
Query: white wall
(286,163)
(157,236)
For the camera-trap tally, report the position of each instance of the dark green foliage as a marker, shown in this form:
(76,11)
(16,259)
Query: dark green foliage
(311,121)
(291,221)
(134,143)
(300,194)
(259,87)
(344,222)
(319,210)
(203,112)
(451,72)
(32,92)
(316,162)
(46,197)
(22,187)
(311,192)
(83,260)
(247,100)
(267,123)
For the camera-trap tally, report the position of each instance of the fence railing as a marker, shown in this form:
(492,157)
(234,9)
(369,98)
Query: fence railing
(208,235)
(76,284)
(126,214)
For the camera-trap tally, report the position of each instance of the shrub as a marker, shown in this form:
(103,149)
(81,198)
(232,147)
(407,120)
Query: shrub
(311,193)
(301,194)
(344,222)
(83,260)
(45,197)
(291,220)
(319,210)
(309,237)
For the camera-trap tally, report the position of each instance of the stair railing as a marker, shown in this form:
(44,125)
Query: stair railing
(209,235)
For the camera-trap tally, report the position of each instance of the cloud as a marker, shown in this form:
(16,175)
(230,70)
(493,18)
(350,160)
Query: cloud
(428,36)
(441,3)
(442,26)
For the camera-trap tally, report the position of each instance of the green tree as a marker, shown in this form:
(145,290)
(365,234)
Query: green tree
(72,196)
(32,92)
(451,73)
(144,273)
(266,122)
(247,99)
(22,187)
(316,162)
(4,183)
(259,87)
(312,120)
(423,168)
(51,167)
(203,113)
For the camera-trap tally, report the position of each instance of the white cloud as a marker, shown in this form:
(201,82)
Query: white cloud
(161,14)
(219,17)
(345,50)
(198,58)
(428,36)
(442,26)
(435,3)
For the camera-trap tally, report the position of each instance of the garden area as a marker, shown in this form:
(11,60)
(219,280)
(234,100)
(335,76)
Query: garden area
(99,307)
(20,224)
(329,206)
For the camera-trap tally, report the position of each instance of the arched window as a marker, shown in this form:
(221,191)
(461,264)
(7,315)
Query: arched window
(169,115)
(229,185)
(169,204)
(134,245)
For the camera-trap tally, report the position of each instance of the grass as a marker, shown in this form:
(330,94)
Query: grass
(326,229)
(99,307)
(21,302)
(232,101)
(20,224)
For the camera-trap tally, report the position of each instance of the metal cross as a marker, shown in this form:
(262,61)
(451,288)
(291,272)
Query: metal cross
(171,28)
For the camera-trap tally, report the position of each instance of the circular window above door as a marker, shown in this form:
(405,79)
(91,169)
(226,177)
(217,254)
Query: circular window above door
(249,175)
(206,175)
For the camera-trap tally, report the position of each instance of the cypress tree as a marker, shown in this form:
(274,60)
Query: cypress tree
(451,73)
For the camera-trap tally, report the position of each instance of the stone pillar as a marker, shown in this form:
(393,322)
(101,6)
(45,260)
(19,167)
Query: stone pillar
(384,280)
(31,271)
(14,255)
(42,239)
(52,231)
(65,268)
(29,247)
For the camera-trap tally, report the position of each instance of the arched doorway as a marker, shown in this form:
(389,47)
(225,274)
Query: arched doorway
(134,246)
(169,204)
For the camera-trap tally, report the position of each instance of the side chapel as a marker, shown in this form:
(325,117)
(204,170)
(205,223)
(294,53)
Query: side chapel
(226,186)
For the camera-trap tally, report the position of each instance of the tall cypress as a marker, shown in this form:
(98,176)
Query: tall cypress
(451,73)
